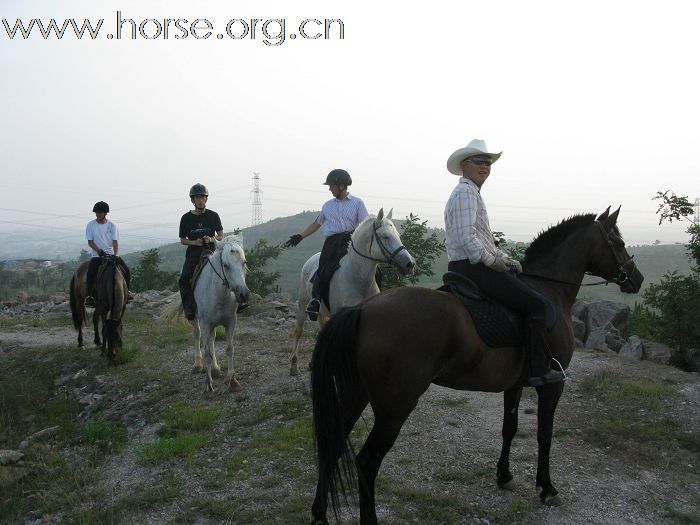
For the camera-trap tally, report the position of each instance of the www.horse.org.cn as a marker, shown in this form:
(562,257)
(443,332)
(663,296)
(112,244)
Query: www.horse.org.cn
(271,31)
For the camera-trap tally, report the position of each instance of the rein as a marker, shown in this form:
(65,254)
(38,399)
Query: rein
(385,251)
(620,279)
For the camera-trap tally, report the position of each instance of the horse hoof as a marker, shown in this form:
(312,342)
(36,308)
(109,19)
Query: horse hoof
(294,371)
(553,501)
(197,369)
(508,485)
(235,387)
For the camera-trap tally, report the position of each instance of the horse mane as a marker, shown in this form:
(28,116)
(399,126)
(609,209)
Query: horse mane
(234,238)
(547,240)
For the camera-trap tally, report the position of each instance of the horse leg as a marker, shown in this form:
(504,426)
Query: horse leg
(198,360)
(382,437)
(547,400)
(215,368)
(233,384)
(96,326)
(298,332)
(511,400)
(352,414)
(208,354)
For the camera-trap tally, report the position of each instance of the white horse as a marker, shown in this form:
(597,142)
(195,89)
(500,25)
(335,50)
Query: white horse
(374,241)
(219,288)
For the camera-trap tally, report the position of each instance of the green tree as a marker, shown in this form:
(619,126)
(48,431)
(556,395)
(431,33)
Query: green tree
(671,305)
(147,276)
(259,281)
(424,247)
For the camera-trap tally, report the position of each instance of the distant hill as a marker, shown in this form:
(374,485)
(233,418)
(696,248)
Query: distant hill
(653,261)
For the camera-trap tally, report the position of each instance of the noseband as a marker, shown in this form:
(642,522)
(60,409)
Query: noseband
(390,256)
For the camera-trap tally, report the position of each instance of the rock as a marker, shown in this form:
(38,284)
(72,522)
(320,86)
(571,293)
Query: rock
(579,328)
(600,313)
(633,348)
(10,457)
(45,432)
(657,353)
(579,310)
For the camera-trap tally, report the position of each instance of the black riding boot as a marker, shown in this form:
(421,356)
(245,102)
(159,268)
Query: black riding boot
(540,372)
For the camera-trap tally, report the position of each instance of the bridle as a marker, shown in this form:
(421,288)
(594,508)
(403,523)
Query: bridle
(390,256)
(624,271)
(222,276)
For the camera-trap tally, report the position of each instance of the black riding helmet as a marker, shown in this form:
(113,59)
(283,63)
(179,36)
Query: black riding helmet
(199,189)
(101,207)
(339,177)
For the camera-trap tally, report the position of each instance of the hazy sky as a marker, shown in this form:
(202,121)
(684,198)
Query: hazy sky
(593,104)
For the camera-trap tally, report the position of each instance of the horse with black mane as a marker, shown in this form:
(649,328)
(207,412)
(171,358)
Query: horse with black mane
(111,295)
(390,348)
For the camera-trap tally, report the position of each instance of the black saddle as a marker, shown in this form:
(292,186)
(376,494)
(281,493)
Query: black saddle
(496,324)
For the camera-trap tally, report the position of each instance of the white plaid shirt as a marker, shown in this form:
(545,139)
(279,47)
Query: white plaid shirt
(340,216)
(467,231)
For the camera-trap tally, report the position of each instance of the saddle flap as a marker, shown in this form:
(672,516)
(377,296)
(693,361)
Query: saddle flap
(496,324)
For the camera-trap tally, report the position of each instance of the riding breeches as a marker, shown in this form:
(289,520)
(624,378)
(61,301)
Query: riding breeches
(334,248)
(186,292)
(507,289)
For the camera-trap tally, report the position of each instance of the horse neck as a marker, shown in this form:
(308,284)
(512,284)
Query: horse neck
(361,267)
(563,263)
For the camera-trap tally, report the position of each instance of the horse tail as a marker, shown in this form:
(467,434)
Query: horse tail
(76,311)
(334,383)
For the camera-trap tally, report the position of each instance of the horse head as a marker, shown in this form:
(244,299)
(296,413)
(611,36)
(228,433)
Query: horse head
(610,258)
(388,247)
(233,266)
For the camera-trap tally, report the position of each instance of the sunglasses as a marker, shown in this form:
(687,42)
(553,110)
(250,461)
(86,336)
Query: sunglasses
(481,162)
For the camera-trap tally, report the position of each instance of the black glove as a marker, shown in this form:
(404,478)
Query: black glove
(293,240)
(102,253)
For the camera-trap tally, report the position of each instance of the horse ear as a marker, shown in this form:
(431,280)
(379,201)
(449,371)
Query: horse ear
(380,215)
(604,215)
(388,215)
(612,219)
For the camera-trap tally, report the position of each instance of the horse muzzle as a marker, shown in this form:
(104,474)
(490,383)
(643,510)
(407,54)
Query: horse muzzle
(404,262)
(632,283)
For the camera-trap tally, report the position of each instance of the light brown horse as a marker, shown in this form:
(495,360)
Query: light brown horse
(389,349)
(111,294)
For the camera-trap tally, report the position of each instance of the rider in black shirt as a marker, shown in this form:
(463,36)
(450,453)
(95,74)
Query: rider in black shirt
(198,229)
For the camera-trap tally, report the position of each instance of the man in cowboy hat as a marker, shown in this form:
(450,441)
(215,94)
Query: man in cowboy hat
(341,215)
(472,251)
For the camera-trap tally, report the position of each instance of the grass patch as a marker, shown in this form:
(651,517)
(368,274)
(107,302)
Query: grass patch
(193,418)
(629,415)
(170,447)
(108,438)
(455,476)
(285,450)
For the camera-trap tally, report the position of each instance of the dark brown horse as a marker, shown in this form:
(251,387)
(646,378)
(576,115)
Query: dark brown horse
(111,295)
(389,349)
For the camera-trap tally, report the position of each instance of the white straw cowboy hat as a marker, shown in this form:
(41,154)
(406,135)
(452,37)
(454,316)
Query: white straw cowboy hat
(475,147)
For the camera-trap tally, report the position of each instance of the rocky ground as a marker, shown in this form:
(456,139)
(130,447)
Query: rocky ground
(448,448)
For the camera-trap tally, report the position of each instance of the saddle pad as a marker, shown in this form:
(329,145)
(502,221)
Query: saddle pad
(495,324)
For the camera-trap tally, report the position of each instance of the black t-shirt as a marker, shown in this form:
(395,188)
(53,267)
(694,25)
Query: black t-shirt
(195,227)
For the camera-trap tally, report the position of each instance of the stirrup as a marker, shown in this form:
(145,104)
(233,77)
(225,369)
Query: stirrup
(313,308)
(551,376)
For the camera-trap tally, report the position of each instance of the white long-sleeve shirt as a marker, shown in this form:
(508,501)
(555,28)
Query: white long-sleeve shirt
(467,231)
